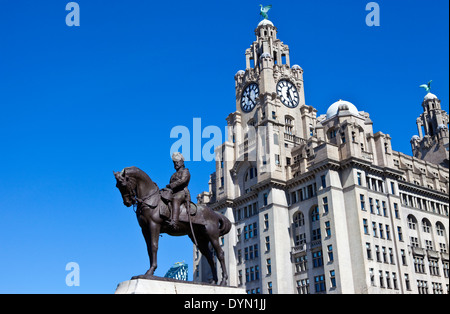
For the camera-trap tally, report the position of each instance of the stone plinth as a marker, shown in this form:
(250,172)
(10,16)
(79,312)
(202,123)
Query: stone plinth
(170,286)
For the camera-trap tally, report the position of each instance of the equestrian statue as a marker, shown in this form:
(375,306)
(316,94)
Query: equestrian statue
(171,211)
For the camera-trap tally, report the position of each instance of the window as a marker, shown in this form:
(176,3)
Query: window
(265,199)
(396,212)
(383,204)
(358,175)
(301,264)
(372,277)
(300,239)
(332,279)
(400,234)
(422,286)
(407,282)
(317,259)
(363,203)
(299,220)
(440,229)
(267,244)
(419,264)
(365,226)
(327,229)
(434,267)
(391,256)
(403,257)
(374,229)
(426,225)
(332,134)
(266,221)
(269,287)
(381,279)
(383,250)
(319,283)
(394,281)
(269,266)
(388,232)
(368,251)
(315,214)
(378,207)
(324,181)
(303,286)
(388,280)
(330,253)
(316,234)
(377,253)
(325,205)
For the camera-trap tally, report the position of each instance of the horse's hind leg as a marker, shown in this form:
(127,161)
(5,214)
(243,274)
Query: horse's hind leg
(221,256)
(206,252)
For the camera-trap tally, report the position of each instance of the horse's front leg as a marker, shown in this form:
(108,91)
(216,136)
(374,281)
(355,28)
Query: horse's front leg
(152,246)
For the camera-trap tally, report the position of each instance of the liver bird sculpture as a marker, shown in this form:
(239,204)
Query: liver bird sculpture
(427,86)
(264,11)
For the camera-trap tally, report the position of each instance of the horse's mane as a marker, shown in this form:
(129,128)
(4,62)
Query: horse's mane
(136,172)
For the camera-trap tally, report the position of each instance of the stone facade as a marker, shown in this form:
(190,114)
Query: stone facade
(321,204)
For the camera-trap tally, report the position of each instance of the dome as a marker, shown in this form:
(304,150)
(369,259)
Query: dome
(296,67)
(415,138)
(341,105)
(430,96)
(265,22)
(240,72)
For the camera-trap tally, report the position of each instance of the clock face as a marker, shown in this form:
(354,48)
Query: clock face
(288,93)
(249,97)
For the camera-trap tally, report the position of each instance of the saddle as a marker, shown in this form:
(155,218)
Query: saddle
(165,210)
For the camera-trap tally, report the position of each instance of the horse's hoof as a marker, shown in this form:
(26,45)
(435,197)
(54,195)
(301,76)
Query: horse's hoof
(141,277)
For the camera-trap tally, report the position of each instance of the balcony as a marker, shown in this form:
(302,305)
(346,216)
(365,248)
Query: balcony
(294,139)
(302,248)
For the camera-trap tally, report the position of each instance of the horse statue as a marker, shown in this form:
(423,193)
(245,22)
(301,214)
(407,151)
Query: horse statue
(200,223)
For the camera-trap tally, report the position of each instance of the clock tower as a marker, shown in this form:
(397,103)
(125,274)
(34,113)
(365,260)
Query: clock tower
(271,114)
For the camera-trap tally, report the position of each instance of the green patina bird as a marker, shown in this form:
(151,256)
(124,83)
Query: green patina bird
(264,11)
(427,86)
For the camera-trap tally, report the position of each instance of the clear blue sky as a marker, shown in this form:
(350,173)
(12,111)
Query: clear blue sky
(77,103)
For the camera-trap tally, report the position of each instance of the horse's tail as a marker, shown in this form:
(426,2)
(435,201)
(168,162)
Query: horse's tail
(224,225)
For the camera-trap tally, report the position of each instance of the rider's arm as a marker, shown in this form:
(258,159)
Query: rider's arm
(184,180)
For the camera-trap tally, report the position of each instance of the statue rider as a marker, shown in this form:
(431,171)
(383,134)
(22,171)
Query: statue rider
(179,185)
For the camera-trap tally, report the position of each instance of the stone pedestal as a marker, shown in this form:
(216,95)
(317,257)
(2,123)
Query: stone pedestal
(158,285)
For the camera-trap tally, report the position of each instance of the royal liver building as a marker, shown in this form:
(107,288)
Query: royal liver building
(319,203)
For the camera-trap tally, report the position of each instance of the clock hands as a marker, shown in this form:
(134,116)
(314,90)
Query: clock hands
(288,93)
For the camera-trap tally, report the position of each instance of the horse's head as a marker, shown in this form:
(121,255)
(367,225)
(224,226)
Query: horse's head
(127,187)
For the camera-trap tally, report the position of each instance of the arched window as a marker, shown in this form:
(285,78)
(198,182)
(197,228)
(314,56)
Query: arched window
(412,222)
(440,229)
(426,224)
(289,125)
